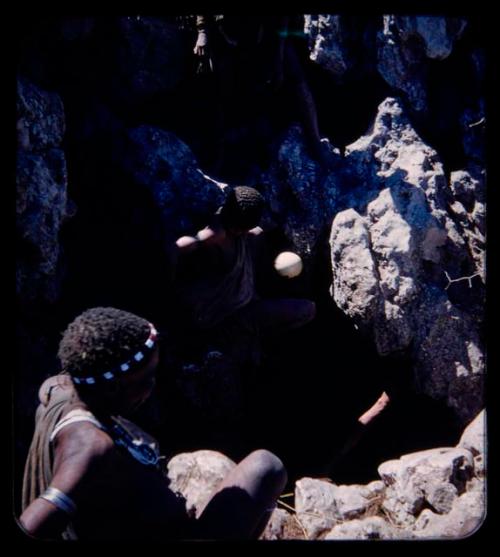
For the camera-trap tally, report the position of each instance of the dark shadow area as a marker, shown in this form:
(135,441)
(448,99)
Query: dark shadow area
(454,85)
(303,401)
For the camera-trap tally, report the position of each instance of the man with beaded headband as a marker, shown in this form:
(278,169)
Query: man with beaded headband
(92,474)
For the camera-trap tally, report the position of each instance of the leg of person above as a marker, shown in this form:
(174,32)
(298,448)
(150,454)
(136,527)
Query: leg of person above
(244,501)
(281,314)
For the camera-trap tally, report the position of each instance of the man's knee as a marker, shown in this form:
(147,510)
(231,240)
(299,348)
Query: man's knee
(269,468)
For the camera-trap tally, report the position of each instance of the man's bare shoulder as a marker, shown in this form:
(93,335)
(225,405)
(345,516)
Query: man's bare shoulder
(83,454)
(83,441)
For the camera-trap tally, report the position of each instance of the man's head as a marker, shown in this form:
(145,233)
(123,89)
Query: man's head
(110,354)
(242,209)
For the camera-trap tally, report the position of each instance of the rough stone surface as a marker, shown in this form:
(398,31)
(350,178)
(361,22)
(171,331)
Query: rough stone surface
(320,504)
(41,200)
(465,517)
(315,503)
(161,162)
(326,42)
(469,209)
(435,477)
(196,476)
(405,42)
(397,254)
(474,439)
(40,118)
(433,494)
(301,195)
(371,528)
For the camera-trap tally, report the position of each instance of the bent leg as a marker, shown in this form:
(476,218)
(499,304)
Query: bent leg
(244,501)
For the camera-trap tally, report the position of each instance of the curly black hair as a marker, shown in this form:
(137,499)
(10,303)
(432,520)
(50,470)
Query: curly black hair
(243,208)
(100,339)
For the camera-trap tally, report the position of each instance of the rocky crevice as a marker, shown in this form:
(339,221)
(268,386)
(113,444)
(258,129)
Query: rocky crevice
(111,167)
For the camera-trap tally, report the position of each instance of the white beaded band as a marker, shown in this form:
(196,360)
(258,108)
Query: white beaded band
(60,500)
(122,368)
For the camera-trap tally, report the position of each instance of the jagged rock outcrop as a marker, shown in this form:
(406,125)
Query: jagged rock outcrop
(465,517)
(405,42)
(321,505)
(434,478)
(438,493)
(301,195)
(326,42)
(403,46)
(162,163)
(395,251)
(41,201)
(468,207)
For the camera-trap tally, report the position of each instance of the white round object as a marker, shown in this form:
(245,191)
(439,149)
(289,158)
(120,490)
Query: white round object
(288,264)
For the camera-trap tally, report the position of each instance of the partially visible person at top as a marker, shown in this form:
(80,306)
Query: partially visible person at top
(93,474)
(263,49)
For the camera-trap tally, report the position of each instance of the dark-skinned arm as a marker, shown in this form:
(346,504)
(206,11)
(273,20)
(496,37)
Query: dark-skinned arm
(79,451)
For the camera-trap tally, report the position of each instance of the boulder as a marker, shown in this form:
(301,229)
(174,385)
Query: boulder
(435,478)
(399,252)
(196,476)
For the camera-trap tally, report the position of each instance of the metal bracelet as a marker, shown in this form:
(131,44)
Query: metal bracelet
(59,499)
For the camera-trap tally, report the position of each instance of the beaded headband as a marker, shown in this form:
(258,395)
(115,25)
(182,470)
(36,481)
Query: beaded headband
(122,368)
